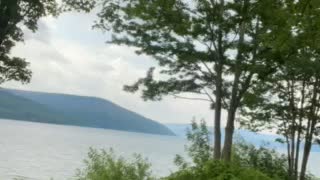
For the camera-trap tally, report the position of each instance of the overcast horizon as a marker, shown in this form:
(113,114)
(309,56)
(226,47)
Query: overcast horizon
(67,56)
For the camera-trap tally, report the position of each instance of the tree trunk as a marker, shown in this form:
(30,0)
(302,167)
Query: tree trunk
(306,153)
(307,149)
(218,103)
(228,141)
(289,156)
(217,116)
(291,175)
(301,114)
(291,128)
(296,162)
(310,131)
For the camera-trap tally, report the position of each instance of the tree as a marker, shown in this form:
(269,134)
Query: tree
(210,49)
(182,38)
(285,108)
(289,102)
(291,107)
(15,14)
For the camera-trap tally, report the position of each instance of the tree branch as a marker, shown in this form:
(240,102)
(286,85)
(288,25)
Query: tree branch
(190,98)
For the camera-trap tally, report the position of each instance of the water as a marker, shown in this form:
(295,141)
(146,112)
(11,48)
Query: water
(40,151)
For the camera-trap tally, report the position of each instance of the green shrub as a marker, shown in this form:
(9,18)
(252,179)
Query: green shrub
(105,165)
(216,170)
(267,161)
(249,163)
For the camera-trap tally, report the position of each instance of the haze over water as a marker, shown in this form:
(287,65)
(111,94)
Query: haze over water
(40,151)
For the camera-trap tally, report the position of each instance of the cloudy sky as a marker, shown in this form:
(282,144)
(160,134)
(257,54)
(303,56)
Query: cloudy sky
(67,56)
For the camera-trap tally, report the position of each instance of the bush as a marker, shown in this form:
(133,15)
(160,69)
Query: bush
(216,170)
(248,162)
(265,160)
(105,165)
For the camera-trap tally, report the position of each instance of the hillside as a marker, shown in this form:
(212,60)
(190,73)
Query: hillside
(74,110)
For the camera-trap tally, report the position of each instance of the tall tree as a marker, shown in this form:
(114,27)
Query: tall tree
(289,105)
(309,25)
(290,95)
(210,48)
(255,57)
(188,39)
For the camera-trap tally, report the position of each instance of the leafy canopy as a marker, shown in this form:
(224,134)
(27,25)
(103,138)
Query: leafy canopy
(16,15)
(190,41)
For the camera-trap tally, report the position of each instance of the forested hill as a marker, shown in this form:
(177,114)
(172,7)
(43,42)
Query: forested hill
(74,110)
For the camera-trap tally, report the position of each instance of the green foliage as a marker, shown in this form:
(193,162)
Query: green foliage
(248,161)
(190,41)
(288,98)
(199,149)
(267,161)
(215,170)
(15,14)
(105,165)
(78,5)
(215,50)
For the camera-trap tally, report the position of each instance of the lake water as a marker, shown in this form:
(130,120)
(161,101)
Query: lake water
(40,151)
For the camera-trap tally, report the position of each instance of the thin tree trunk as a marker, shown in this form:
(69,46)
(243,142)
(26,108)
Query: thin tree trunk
(227,149)
(217,116)
(289,157)
(310,131)
(228,141)
(292,128)
(301,114)
(296,163)
(307,149)
(292,154)
(288,142)
(306,153)
(218,103)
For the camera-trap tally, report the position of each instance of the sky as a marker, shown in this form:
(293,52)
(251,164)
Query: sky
(67,56)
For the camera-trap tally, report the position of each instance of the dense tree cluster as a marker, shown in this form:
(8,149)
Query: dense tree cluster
(256,59)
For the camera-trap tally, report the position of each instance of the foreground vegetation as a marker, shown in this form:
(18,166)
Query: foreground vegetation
(248,163)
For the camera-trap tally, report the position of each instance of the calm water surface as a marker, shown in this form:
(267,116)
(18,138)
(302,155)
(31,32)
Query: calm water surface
(41,151)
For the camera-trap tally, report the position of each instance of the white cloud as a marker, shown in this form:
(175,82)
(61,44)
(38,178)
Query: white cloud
(67,56)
